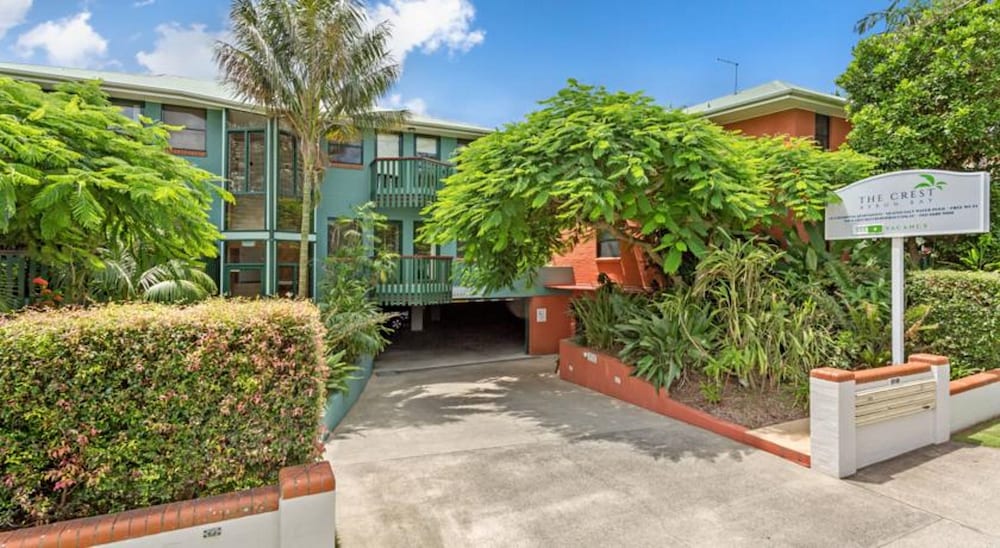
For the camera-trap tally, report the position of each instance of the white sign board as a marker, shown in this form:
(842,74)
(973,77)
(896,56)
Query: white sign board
(911,203)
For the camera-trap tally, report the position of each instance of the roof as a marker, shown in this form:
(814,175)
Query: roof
(192,92)
(766,99)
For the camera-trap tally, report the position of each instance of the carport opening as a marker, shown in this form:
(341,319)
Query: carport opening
(455,334)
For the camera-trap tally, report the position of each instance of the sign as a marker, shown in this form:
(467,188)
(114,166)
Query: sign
(901,204)
(911,203)
(541,315)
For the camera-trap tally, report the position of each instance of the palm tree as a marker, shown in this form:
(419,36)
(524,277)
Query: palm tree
(122,278)
(320,67)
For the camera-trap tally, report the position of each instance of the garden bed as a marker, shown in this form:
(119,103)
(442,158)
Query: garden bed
(753,408)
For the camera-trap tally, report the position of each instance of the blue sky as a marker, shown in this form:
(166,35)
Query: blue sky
(483,61)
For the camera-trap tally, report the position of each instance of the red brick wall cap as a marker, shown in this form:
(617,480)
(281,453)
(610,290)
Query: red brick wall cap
(971,382)
(306,479)
(832,374)
(932,359)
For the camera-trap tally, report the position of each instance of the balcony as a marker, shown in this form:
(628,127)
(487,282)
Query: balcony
(407,182)
(418,280)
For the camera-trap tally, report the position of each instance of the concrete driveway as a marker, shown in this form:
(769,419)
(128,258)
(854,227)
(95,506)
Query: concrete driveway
(508,455)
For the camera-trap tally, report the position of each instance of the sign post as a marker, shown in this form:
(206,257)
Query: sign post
(905,204)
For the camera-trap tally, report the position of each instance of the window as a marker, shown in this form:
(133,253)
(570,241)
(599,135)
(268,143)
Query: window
(129,109)
(388,145)
(421,248)
(246,176)
(341,233)
(460,249)
(346,152)
(607,245)
(823,131)
(191,138)
(427,147)
(390,237)
(244,272)
(289,184)
(288,269)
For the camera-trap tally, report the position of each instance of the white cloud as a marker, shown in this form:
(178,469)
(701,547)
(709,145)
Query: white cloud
(69,41)
(143,3)
(12,13)
(429,25)
(415,105)
(183,51)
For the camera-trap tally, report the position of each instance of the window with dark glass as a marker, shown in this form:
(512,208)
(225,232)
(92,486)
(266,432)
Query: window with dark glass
(823,131)
(287,279)
(608,245)
(388,145)
(289,184)
(428,147)
(459,145)
(460,249)
(421,248)
(341,233)
(192,135)
(246,176)
(244,271)
(346,152)
(390,237)
(129,109)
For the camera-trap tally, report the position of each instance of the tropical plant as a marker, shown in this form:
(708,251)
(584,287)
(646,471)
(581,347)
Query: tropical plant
(318,66)
(673,335)
(599,316)
(355,326)
(659,180)
(123,277)
(76,176)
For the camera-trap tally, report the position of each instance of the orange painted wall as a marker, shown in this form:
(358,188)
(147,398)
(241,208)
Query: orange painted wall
(628,270)
(544,337)
(794,122)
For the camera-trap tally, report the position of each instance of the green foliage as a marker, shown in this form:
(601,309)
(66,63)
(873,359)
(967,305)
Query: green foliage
(124,406)
(76,176)
(927,95)
(355,326)
(598,317)
(965,307)
(320,67)
(121,277)
(658,179)
(675,333)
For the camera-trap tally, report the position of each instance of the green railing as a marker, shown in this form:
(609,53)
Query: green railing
(407,182)
(418,280)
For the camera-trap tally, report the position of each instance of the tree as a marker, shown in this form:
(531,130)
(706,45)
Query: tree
(76,177)
(316,65)
(927,94)
(658,179)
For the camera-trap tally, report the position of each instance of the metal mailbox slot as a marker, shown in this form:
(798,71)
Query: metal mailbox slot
(892,402)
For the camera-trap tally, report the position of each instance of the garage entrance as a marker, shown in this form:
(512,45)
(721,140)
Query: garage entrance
(455,334)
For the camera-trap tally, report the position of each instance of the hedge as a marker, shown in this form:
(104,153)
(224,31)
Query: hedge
(965,305)
(124,406)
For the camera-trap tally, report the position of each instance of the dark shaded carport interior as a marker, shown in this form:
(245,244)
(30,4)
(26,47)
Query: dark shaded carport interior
(460,333)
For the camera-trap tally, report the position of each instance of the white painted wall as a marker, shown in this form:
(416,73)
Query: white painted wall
(975,406)
(301,522)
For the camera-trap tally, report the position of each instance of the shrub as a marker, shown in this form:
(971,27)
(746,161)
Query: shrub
(965,306)
(598,317)
(124,406)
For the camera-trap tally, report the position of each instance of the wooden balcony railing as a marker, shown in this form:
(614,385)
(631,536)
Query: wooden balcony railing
(407,182)
(418,280)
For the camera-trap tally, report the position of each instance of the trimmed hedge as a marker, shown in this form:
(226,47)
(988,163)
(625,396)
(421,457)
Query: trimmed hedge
(965,305)
(123,406)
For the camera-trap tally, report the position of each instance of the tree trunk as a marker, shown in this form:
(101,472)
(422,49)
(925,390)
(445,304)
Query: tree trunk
(308,186)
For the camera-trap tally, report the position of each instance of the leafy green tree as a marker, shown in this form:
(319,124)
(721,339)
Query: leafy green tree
(926,94)
(319,67)
(658,179)
(77,177)
(126,276)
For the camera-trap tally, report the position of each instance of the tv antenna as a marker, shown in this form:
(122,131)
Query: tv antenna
(736,73)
